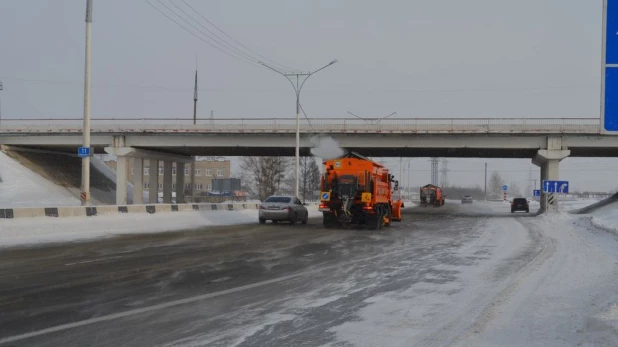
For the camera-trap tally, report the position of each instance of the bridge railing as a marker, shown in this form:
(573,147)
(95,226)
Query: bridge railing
(315,125)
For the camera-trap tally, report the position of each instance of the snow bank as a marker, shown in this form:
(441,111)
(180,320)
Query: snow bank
(606,217)
(15,232)
(22,187)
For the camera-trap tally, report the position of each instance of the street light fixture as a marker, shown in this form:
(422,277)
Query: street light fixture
(301,78)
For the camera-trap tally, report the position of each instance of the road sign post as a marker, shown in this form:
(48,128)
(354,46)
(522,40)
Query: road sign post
(83,152)
(555,186)
(552,187)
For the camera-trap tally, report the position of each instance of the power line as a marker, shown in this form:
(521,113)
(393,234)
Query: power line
(216,38)
(231,38)
(194,34)
(308,121)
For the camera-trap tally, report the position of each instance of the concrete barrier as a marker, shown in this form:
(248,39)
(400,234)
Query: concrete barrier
(106,210)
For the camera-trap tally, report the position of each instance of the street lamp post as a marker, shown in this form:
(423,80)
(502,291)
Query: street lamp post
(85,186)
(1,89)
(301,78)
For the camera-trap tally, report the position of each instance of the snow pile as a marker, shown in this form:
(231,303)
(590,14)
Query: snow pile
(22,187)
(15,232)
(606,217)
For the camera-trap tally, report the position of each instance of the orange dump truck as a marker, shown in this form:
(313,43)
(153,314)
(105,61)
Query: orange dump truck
(356,190)
(432,195)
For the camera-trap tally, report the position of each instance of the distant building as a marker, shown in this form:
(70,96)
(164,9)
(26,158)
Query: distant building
(206,169)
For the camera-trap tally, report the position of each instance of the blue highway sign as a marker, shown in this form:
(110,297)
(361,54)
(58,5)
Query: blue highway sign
(536,192)
(83,152)
(505,187)
(555,187)
(609,108)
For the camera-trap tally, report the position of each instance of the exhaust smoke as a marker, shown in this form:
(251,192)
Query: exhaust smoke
(325,147)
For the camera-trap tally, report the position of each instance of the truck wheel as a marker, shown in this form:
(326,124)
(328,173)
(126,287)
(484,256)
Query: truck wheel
(389,216)
(328,221)
(380,219)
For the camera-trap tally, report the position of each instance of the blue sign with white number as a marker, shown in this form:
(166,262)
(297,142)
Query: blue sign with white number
(610,75)
(505,187)
(83,152)
(536,192)
(556,187)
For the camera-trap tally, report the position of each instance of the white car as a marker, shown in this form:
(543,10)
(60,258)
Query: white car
(283,208)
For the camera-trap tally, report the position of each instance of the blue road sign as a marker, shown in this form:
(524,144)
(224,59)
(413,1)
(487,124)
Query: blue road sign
(83,152)
(505,188)
(325,196)
(555,187)
(536,192)
(609,113)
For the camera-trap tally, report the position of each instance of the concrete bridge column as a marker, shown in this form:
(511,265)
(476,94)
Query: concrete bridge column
(167,182)
(180,183)
(122,164)
(549,162)
(153,181)
(138,181)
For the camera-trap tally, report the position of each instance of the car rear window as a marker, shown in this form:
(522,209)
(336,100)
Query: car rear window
(281,199)
(520,200)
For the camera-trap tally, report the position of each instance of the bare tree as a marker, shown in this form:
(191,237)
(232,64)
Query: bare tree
(264,175)
(309,177)
(514,189)
(495,185)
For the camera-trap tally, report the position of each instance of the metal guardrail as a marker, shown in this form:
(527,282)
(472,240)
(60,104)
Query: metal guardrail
(315,125)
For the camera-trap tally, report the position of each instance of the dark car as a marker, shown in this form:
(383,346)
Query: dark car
(520,204)
(466,199)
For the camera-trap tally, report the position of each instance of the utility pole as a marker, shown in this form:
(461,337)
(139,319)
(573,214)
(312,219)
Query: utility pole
(444,173)
(85,188)
(1,89)
(485,181)
(409,185)
(301,78)
(434,171)
(195,99)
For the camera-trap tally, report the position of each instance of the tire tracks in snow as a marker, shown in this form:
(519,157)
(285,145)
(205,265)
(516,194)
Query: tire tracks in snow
(486,306)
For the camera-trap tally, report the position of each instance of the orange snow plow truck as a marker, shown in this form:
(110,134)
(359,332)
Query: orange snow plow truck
(432,195)
(358,191)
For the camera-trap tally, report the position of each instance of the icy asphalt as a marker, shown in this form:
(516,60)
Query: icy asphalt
(473,275)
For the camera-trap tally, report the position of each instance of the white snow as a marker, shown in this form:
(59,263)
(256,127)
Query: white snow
(15,232)
(22,187)
(606,217)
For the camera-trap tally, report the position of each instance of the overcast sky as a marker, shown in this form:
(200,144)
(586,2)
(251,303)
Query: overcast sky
(421,58)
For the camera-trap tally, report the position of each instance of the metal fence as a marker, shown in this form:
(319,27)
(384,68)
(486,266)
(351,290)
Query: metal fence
(316,125)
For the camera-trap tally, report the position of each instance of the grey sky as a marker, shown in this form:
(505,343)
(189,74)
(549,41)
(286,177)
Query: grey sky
(450,58)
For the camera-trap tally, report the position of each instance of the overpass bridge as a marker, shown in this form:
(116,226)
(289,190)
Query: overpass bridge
(545,140)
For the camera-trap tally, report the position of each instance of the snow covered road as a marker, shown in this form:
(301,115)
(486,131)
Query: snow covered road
(473,275)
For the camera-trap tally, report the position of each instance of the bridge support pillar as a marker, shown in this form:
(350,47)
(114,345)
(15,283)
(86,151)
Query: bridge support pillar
(180,183)
(153,181)
(138,181)
(549,162)
(122,164)
(167,182)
